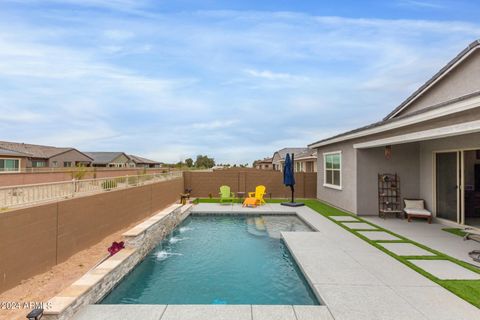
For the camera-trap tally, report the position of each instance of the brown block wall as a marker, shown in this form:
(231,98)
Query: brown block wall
(27,243)
(205,183)
(34,239)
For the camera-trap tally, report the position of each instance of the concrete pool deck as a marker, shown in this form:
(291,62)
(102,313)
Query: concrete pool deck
(430,235)
(353,279)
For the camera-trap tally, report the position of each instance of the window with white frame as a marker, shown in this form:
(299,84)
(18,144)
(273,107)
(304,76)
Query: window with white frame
(333,169)
(38,163)
(9,165)
(299,166)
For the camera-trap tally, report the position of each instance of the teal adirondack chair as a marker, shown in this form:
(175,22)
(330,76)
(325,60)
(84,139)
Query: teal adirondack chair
(226,195)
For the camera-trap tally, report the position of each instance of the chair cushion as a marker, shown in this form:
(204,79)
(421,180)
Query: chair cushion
(420,212)
(414,204)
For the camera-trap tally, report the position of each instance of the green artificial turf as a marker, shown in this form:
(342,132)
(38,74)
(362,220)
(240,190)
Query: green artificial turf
(469,290)
(455,231)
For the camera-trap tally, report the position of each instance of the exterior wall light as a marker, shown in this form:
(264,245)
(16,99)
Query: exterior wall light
(388,152)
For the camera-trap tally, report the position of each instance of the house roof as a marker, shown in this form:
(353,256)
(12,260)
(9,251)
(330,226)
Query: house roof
(138,159)
(34,150)
(104,157)
(264,160)
(440,74)
(393,117)
(283,152)
(310,153)
(6,152)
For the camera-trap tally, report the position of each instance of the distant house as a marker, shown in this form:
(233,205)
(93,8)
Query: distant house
(306,161)
(39,156)
(109,159)
(431,141)
(265,164)
(278,158)
(12,161)
(140,162)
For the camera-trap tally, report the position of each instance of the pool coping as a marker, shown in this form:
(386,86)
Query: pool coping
(303,246)
(101,279)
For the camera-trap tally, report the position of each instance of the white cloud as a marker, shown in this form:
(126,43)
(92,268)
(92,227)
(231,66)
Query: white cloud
(234,85)
(421,4)
(217,124)
(270,75)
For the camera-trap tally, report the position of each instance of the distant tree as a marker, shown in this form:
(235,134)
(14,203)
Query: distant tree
(79,172)
(179,164)
(204,162)
(189,162)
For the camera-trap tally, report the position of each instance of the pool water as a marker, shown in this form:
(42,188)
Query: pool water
(219,259)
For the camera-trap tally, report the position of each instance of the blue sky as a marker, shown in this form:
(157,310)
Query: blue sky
(232,79)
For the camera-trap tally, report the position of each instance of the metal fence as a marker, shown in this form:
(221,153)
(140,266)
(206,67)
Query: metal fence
(74,168)
(17,196)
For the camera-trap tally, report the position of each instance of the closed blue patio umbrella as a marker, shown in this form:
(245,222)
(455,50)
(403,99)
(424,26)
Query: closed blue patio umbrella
(289,180)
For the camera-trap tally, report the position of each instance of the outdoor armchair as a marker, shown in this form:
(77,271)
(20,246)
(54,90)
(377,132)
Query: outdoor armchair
(226,195)
(258,194)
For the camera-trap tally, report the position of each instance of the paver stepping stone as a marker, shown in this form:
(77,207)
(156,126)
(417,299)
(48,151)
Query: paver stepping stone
(359,226)
(378,235)
(344,218)
(444,269)
(406,249)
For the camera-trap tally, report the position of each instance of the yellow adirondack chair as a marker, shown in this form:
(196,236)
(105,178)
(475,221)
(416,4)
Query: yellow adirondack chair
(258,194)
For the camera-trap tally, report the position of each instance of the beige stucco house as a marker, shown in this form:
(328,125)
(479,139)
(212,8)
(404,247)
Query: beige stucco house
(39,156)
(279,156)
(265,164)
(431,140)
(12,161)
(109,159)
(306,161)
(140,162)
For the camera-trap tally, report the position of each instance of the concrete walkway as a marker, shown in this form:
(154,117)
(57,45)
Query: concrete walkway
(353,279)
(358,281)
(430,235)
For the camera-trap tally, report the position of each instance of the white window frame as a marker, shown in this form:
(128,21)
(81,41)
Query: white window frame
(328,185)
(19,165)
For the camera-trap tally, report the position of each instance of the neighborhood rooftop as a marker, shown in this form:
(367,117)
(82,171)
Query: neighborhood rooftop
(6,152)
(138,159)
(104,157)
(34,150)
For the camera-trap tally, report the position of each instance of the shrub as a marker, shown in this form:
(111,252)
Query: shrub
(78,172)
(109,184)
(121,180)
(132,180)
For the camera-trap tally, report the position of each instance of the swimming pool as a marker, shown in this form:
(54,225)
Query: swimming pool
(219,259)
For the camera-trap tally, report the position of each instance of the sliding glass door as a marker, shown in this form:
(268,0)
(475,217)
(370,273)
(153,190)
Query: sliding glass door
(447,185)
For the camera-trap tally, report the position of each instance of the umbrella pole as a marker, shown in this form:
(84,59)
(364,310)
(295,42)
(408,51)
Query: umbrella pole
(290,181)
